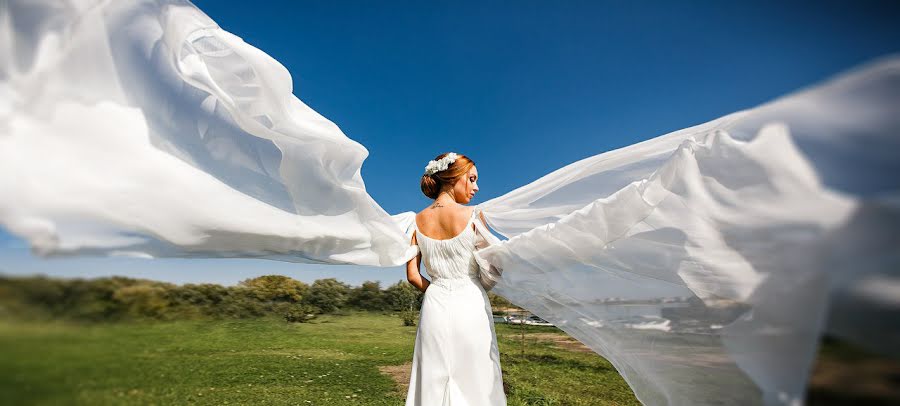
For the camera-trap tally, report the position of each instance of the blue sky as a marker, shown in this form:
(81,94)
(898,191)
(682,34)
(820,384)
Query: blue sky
(522,87)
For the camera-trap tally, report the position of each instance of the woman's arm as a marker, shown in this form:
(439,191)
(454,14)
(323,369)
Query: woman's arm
(413,275)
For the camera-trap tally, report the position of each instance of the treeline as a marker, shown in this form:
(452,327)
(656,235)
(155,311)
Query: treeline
(121,298)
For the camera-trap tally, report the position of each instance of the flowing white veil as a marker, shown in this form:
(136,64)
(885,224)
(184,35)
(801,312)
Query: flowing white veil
(701,263)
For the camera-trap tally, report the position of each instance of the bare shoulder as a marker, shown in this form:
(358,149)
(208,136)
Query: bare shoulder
(465,212)
(425,217)
(425,214)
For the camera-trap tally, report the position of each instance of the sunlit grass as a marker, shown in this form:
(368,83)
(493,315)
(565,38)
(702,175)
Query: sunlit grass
(333,361)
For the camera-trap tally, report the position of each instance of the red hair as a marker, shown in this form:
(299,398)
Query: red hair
(433,184)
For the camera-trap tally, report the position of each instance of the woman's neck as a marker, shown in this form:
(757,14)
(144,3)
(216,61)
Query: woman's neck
(444,199)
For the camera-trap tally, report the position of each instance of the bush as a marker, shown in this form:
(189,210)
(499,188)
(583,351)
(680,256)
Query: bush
(241,303)
(143,301)
(367,296)
(118,298)
(276,288)
(402,296)
(300,314)
(410,317)
(328,295)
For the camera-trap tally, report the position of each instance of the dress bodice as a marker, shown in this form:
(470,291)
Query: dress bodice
(449,258)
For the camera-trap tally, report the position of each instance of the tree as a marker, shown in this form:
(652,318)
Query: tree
(202,295)
(144,300)
(406,299)
(327,295)
(367,296)
(93,299)
(276,288)
(241,302)
(300,313)
(191,300)
(402,296)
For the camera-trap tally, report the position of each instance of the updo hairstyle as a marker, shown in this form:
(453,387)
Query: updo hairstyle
(434,183)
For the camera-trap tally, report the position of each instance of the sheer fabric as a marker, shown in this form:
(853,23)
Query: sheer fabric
(141,128)
(701,262)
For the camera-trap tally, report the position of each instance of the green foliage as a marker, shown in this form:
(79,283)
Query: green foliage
(402,296)
(300,313)
(98,299)
(143,300)
(119,298)
(276,288)
(367,296)
(197,300)
(410,317)
(238,303)
(328,295)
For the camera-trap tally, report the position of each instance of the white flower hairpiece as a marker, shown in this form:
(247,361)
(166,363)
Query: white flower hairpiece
(441,164)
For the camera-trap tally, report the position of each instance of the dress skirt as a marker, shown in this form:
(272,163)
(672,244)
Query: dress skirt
(456,361)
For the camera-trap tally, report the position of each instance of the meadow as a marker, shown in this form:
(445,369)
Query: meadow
(358,358)
(348,358)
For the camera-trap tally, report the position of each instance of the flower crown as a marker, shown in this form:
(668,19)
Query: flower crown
(441,164)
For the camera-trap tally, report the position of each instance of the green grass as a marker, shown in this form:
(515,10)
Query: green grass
(332,361)
(550,375)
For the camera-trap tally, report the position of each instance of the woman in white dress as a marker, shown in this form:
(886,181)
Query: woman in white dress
(456,360)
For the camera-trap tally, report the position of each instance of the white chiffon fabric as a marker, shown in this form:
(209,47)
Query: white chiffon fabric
(705,264)
(456,361)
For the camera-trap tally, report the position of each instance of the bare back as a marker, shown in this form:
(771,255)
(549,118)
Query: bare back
(444,222)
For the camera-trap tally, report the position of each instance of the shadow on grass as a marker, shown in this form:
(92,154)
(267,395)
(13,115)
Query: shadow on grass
(556,361)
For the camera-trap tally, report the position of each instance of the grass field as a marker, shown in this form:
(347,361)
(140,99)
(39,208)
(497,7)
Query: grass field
(358,358)
(334,360)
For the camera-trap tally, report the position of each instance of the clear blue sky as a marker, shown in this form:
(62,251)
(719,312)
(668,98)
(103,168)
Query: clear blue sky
(522,87)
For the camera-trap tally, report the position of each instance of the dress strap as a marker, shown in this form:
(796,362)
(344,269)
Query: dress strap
(471,223)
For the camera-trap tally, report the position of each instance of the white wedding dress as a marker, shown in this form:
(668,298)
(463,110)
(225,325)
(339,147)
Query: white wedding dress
(702,263)
(456,361)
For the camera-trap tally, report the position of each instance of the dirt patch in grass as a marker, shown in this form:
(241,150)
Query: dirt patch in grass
(400,375)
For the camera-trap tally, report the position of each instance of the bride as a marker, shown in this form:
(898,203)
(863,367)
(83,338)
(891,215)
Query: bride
(456,360)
